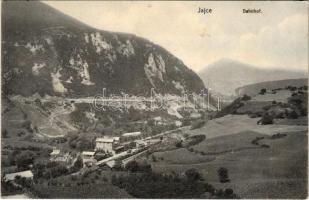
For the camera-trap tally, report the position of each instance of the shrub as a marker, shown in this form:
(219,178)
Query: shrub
(77,165)
(292,115)
(24,182)
(58,171)
(246,98)
(24,159)
(178,144)
(134,166)
(266,119)
(4,133)
(154,159)
(8,188)
(193,175)
(154,185)
(223,175)
(303,111)
(278,135)
(263,91)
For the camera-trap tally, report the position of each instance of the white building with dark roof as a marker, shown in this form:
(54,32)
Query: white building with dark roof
(105,144)
(108,144)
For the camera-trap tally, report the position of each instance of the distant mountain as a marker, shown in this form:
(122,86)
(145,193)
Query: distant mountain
(226,75)
(47,52)
(254,89)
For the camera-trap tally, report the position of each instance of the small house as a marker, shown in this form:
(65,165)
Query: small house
(57,156)
(88,157)
(116,140)
(140,143)
(119,149)
(55,153)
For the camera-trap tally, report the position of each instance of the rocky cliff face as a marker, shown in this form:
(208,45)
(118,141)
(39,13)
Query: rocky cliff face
(50,53)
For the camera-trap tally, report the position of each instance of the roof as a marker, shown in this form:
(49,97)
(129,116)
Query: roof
(111,163)
(88,153)
(131,134)
(109,140)
(119,147)
(116,138)
(140,142)
(158,118)
(55,152)
(26,174)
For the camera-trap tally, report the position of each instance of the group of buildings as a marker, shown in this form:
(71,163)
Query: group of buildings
(104,147)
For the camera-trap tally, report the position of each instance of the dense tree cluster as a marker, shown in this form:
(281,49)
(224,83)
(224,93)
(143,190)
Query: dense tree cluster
(153,185)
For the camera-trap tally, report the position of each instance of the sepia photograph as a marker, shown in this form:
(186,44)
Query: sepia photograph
(154,99)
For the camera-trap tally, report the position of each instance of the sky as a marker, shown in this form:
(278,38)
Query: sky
(277,37)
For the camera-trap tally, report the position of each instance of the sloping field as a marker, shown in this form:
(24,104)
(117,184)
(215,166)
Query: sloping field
(182,156)
(280,96)
(233,124)
(253,89)
(236,142)
(276,171)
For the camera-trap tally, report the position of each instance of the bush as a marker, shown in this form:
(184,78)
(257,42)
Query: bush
(266,119)
(303,111)
(278,135)
(77,165)
(154,159)
(134,166)
(263,91)
(246,98)
(24,159)
(9,188)
(4,133)
(158,186)
(265,146)
(223,175)
(178,144)
(292,115)
(193,175)
(22,181)
(58,171)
